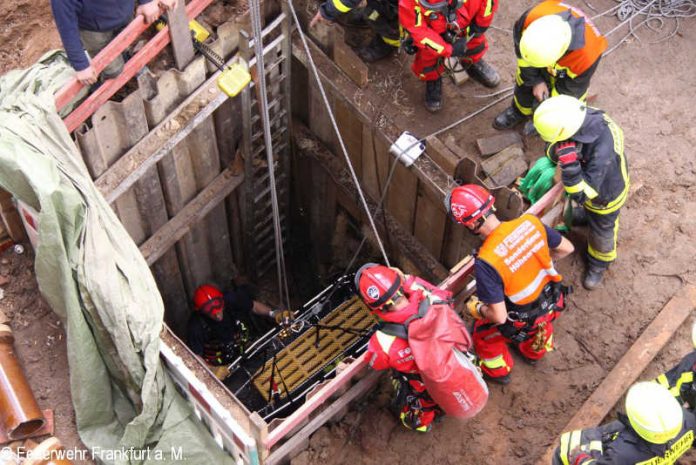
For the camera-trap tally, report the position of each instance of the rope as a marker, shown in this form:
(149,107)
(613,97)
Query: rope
(255,10)
(338,133)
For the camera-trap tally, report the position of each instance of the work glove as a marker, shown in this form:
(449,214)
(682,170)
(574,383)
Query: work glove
(282,317)
(459,47)
(538,180)
(474,306)
(565,153)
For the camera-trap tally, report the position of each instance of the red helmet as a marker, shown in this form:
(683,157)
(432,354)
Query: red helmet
(208,299)
(469,203)
(377,284)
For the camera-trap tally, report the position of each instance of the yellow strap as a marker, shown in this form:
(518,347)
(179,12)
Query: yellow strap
(662,380)
(340,6)
(432,44)
(392,42)
(419,16)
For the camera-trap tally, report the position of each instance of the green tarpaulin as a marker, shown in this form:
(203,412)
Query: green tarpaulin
(93,275)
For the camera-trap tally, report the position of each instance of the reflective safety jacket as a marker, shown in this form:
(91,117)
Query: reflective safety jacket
(518,250)
(680,380)
(599,178)
(426,26)
(586,45)
(617,444)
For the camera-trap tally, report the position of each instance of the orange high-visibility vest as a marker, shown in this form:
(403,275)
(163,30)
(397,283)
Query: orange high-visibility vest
(519,251)
(575,61)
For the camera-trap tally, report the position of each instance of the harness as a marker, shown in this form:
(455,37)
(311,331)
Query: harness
(522,319)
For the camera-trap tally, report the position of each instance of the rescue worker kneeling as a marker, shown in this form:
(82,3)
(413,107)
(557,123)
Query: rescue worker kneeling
(519,289)
(394,298)
(654,430)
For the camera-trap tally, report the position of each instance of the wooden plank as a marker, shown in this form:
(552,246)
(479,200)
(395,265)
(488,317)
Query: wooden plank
(402,195)
(350,63)
(283,453)
(505,167)
(430,224)
(10,217)
(441,154)
(180,35)
(204,202)
(351,131)
(491,145)
(632,364)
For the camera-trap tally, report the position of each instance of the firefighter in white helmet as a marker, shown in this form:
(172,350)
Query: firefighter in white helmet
(558,50)
(655,429)
(589,148)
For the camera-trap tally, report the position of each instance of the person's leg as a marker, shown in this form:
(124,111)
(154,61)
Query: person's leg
(601,246)
(428,67)
(492,350)
(478,69)
(383,19)
(94,42)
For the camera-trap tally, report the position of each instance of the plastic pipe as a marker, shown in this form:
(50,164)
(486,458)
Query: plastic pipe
(20,415)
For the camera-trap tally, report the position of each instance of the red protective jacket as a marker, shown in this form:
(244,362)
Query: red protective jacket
(426,26)
(386,351)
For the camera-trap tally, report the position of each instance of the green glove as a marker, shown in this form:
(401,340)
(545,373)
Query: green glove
(539,179)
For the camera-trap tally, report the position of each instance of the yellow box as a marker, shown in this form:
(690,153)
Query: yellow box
(234,79)
(199,32)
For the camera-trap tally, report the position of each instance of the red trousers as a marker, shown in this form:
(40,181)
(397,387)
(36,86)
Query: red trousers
(492,347)
(428,65)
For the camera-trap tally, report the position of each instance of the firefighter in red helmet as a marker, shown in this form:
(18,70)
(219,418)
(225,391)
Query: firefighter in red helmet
(394,297)
(222,324)
(519,290)
(441,29)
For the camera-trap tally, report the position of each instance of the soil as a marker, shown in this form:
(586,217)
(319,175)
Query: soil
(644,86)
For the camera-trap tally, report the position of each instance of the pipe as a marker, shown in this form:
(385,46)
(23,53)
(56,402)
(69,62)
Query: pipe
(20,415)
(49,452)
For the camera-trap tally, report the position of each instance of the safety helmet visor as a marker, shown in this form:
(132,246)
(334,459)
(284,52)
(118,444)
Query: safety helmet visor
(435,5)
(654,414)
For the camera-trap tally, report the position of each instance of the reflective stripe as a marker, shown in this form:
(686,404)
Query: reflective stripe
(533,286)
(419,17)
(596,445)
(549,344)
(617,135)
(385,341)
(343,8)
(564,451)
(432,44)
(373,16)
(493,363)
(662,379)
(687,377)
(524,110)
(582,186)
(605,256)
(489,8)
(392,42)
(567,70)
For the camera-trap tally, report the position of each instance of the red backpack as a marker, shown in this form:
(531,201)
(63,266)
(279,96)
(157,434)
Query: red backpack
(439,343)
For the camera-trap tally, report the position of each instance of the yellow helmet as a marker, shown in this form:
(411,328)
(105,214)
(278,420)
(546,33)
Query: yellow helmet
(545,41)
(653,412)
(559,118)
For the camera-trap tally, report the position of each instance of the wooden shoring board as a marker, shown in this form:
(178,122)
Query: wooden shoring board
(163,138)
(198,208)
(631,365)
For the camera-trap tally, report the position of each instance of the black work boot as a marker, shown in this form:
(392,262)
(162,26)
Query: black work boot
(433,95)
(376,50)
(509,118)
(504,380)
(593,277)
(483,73)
